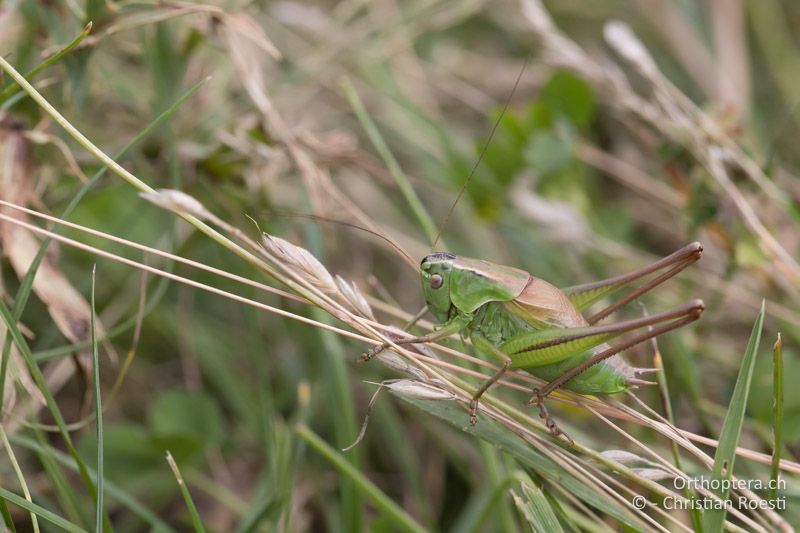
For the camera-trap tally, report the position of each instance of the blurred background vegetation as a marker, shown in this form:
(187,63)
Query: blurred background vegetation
(574,187)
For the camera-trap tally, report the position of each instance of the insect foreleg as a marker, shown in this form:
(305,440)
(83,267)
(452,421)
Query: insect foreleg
(455,325)
(485,345)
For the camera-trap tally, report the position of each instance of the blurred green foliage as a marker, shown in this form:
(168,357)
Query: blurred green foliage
(538,139)
(222,386)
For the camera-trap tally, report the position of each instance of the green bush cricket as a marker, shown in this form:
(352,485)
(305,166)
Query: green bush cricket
(526,323)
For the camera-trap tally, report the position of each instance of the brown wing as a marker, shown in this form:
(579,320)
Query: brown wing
(544,305)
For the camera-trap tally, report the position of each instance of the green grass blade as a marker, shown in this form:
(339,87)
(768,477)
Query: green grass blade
(496,476)
(391,163)
(41,384)
(536,509)
(338,388)
(487,430)
(26,284)
(73,132)
(40,511)
(13,88)
(272,500)
(98,411)
(714,520)
(4,362)
(340,392)
(7,516)
(18,472)
(399,517)
(153,300)
(197,522)
(777,431)
(64,492)
(140,185)
(666,403)
(476,516)
(114,491)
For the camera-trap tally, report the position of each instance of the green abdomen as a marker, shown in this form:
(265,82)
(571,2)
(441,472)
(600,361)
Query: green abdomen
(602,378)
(495,322)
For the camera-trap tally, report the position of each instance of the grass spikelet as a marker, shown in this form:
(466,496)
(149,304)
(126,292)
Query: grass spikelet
(418,389)
(176,201)
(594,159)
(354,297)
(301,262)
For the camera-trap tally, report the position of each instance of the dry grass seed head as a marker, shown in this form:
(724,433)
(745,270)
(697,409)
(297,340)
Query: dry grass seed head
(177,201)
(354,297)
(301,262)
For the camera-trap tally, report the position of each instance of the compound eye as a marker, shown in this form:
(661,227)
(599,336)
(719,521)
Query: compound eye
(436,281)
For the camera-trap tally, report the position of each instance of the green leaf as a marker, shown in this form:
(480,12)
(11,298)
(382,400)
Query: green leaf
(548,153)
(493,433)
(503,158)
(748,253)
(539,117)
(571,97)
(714,520)
(116,492)
(192,415)
(128,451)
(536,510)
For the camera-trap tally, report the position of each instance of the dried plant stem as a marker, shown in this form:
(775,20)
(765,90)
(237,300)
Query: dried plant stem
(289,278)
(670,112)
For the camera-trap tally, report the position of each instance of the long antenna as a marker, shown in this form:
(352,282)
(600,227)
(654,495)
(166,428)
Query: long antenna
(399,249)
(483,152)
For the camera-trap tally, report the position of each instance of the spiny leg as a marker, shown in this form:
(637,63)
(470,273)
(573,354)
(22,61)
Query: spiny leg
(582,296)
(485,345)
(550,346)
(547,346)
(550,423)
(603,313)
(473,404)
(689,312)
(585,294)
